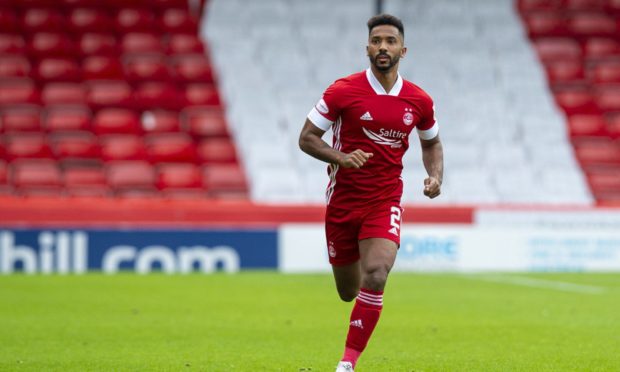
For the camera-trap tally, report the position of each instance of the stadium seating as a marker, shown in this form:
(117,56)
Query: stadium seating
(586,84)
(97,89)
(500,123)
(36,177)
(114,98)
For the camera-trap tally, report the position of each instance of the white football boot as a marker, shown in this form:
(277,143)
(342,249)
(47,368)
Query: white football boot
(344,367)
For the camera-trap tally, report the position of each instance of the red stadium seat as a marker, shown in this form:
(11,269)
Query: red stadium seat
(586,25)
(141,43)
(194,68)
(58,69)
(178,21)
(18,91)
(546,24)
(83,20)
(73,4)
(86,181)
(8,21)
(613,7)
(201,95)
(169,4)
(98,44)
(161,121)
(597,151)
(36,177)
(29,4)
(217,150)
(122,147)
(534,5)
(31,146)
(170,147)
(82,176)
(151,96)
(47,44)
(596,48)
(179,44)
(179,176)
(225,181)
(67,118)
(563,71)
(4,177)
(605,72)
(114,5)
(205,122)
(20,119)
(551,49)
(613,124)
(611,198)
(144,68)
(14,66)
(12,44)
(43,20)
(102,68)
(116,121)
(75,146)
(576,100)
(135,20)
(64,94)
(605,179)
(586,125)
(608,97)
(123,175)
(104,94)
(584,5)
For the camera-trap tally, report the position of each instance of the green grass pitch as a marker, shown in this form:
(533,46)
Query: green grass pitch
(264,321)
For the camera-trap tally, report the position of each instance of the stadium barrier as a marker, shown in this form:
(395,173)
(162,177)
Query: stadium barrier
(469,248)
(41,235)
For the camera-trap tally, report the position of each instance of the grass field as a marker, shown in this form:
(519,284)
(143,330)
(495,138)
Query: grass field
(269,322)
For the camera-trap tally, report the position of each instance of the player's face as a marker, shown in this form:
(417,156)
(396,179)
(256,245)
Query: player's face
(385,47)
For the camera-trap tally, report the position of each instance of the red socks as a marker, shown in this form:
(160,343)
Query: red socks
(364,318)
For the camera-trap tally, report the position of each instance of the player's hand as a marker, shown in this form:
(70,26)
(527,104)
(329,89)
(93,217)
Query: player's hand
(355,159)
(432,187)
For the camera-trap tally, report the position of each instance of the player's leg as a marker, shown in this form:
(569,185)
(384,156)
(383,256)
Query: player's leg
(377,258)
(379,239)
(348,279)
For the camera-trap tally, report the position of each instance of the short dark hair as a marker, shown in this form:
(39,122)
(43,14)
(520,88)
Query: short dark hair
(386,19)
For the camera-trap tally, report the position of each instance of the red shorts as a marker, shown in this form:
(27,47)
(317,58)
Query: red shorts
(345,228)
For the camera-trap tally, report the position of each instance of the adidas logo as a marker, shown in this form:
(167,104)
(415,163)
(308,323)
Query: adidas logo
(366,116)
(357,323)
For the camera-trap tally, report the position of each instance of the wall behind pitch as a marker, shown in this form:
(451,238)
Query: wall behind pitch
(469,248)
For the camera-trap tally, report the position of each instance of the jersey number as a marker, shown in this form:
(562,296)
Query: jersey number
(395,220)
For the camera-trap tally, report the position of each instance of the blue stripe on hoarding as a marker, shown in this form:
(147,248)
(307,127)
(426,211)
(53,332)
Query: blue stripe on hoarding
(70,251)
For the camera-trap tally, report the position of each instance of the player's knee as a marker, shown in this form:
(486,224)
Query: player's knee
(376,278)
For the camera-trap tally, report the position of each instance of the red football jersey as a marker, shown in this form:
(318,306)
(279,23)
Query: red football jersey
(364,116)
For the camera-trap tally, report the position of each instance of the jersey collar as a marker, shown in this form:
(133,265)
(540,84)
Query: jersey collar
(378,88)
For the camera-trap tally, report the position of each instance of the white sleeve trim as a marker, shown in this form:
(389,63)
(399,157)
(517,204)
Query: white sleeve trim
(429,133)
(319,120)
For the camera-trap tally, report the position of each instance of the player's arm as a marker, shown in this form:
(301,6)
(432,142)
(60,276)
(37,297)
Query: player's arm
(432,156)
(311,142)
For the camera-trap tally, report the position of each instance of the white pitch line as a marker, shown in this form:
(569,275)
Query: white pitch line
(540,283)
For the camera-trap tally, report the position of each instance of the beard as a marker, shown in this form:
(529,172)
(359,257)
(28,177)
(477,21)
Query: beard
(384,67)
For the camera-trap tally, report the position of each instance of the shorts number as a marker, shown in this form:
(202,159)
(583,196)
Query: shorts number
(395,217)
